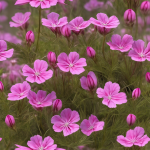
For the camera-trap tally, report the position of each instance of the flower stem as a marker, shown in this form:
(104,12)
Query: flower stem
(38,29)
(103,46)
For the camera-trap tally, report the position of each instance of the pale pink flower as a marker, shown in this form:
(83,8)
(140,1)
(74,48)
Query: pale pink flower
(104,21)
(66,122)
(139,52)
(3,53)
(36,143)
(20,20)
(19,91)
(91,125)
(134,137)
(123,45)
(39,73)
(40,99)
(111,95)
(71,63)
(3,5)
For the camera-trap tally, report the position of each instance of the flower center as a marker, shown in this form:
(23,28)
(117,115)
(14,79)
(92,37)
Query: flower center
(133,140)
(104,24)
(121,47)
(41,1)
(21,94)
(66,124)
(109,97)
(39,103)
(41,148)
(91,127)
(53,25)
(71,65)
(142,55)
(37,73)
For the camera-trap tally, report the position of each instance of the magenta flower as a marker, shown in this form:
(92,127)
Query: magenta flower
(71,63)
(131,118)
(30,37)
(123,45)
(78,24)
(134,137)
(90,52)
(20,20)
(1,86)
(21,2)
(10,121)
(139,53)
(19,91)
(40,99)
(3,53)
(136,93)
(147,76)
(57,105)
(91,125)
(3,5)
(36,143)
(66,122)
(39,73)
(111,95)
(0,139)
(53,22)
(129,17)
(104,21)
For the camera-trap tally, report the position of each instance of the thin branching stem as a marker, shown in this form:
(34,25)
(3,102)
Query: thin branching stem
(103,47)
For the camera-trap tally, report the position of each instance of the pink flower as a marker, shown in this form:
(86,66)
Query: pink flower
(21,2)
(103,30)
(30,37)
(131,118)
(123,45)
(19,91)
(134,137)
(93,4)
(71,63)
(53,22)
(40,99)
(104,21)
(66,122)
(147,76)
(57,105)
(0,139)
(129,17)
(3,53)
(43,3)
(3,18)
(90,52)
(36,143)
(136,93)
(89,83)
(3,5)
(20,20)
(1,86)
(10,121)
(39,73)
(145,7)
(91,125)
(139,53)
(78,24)
(52,59)
(65,31)
(111,95)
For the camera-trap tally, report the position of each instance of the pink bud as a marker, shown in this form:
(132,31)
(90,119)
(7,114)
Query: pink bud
(131,118)
(129,17)
(57,105)
(145,7)
(1,86)
(65,31)
(0,139)
(90,83)
(147,76)
(10,121)
(51,56)
(136,93)
(103,30)
(90,52)
(30,37)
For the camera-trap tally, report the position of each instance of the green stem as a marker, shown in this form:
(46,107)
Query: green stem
(103,47)
(38,29)
(125,60)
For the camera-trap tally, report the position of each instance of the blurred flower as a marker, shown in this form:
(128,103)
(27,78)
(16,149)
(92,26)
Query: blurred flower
(111,95)
(134,137)
(30,37)
(90,52)
(1,86)
(131,118)
(66,122)
(147,76)
(139,53)
(0,139)
(3,53)
(57,105)
(19,91)
(123,45)
(89,83)
(39,73)
(3,5)
(20,20)
(71,63)
(91,125)
(145,7)
(10,121)
(3,18)
(136,93)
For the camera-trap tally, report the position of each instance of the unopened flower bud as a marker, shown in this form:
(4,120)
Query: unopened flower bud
(10,121)
(136,93)
(57,105)
(90,83)
(103,30)
(145,7)
(90,52)
(129,17)
(147,76)
(30,37)
(65,31)
(51,56)
(1,86)
(131,118)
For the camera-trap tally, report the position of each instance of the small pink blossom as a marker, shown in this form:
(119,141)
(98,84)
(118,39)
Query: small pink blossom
(40,99)
(66,122)
(111,95)
(139,52)
(123,45)
(3,5)
(65,31)
(134,137)
(19,91)
(36,143)
(3,53)
(131,118)
(136,93)
(104,21)
(39,73)
(91,125)
(71,63)
(90,52)
(129,17)
(10,121)
(20,20)
(57,105)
